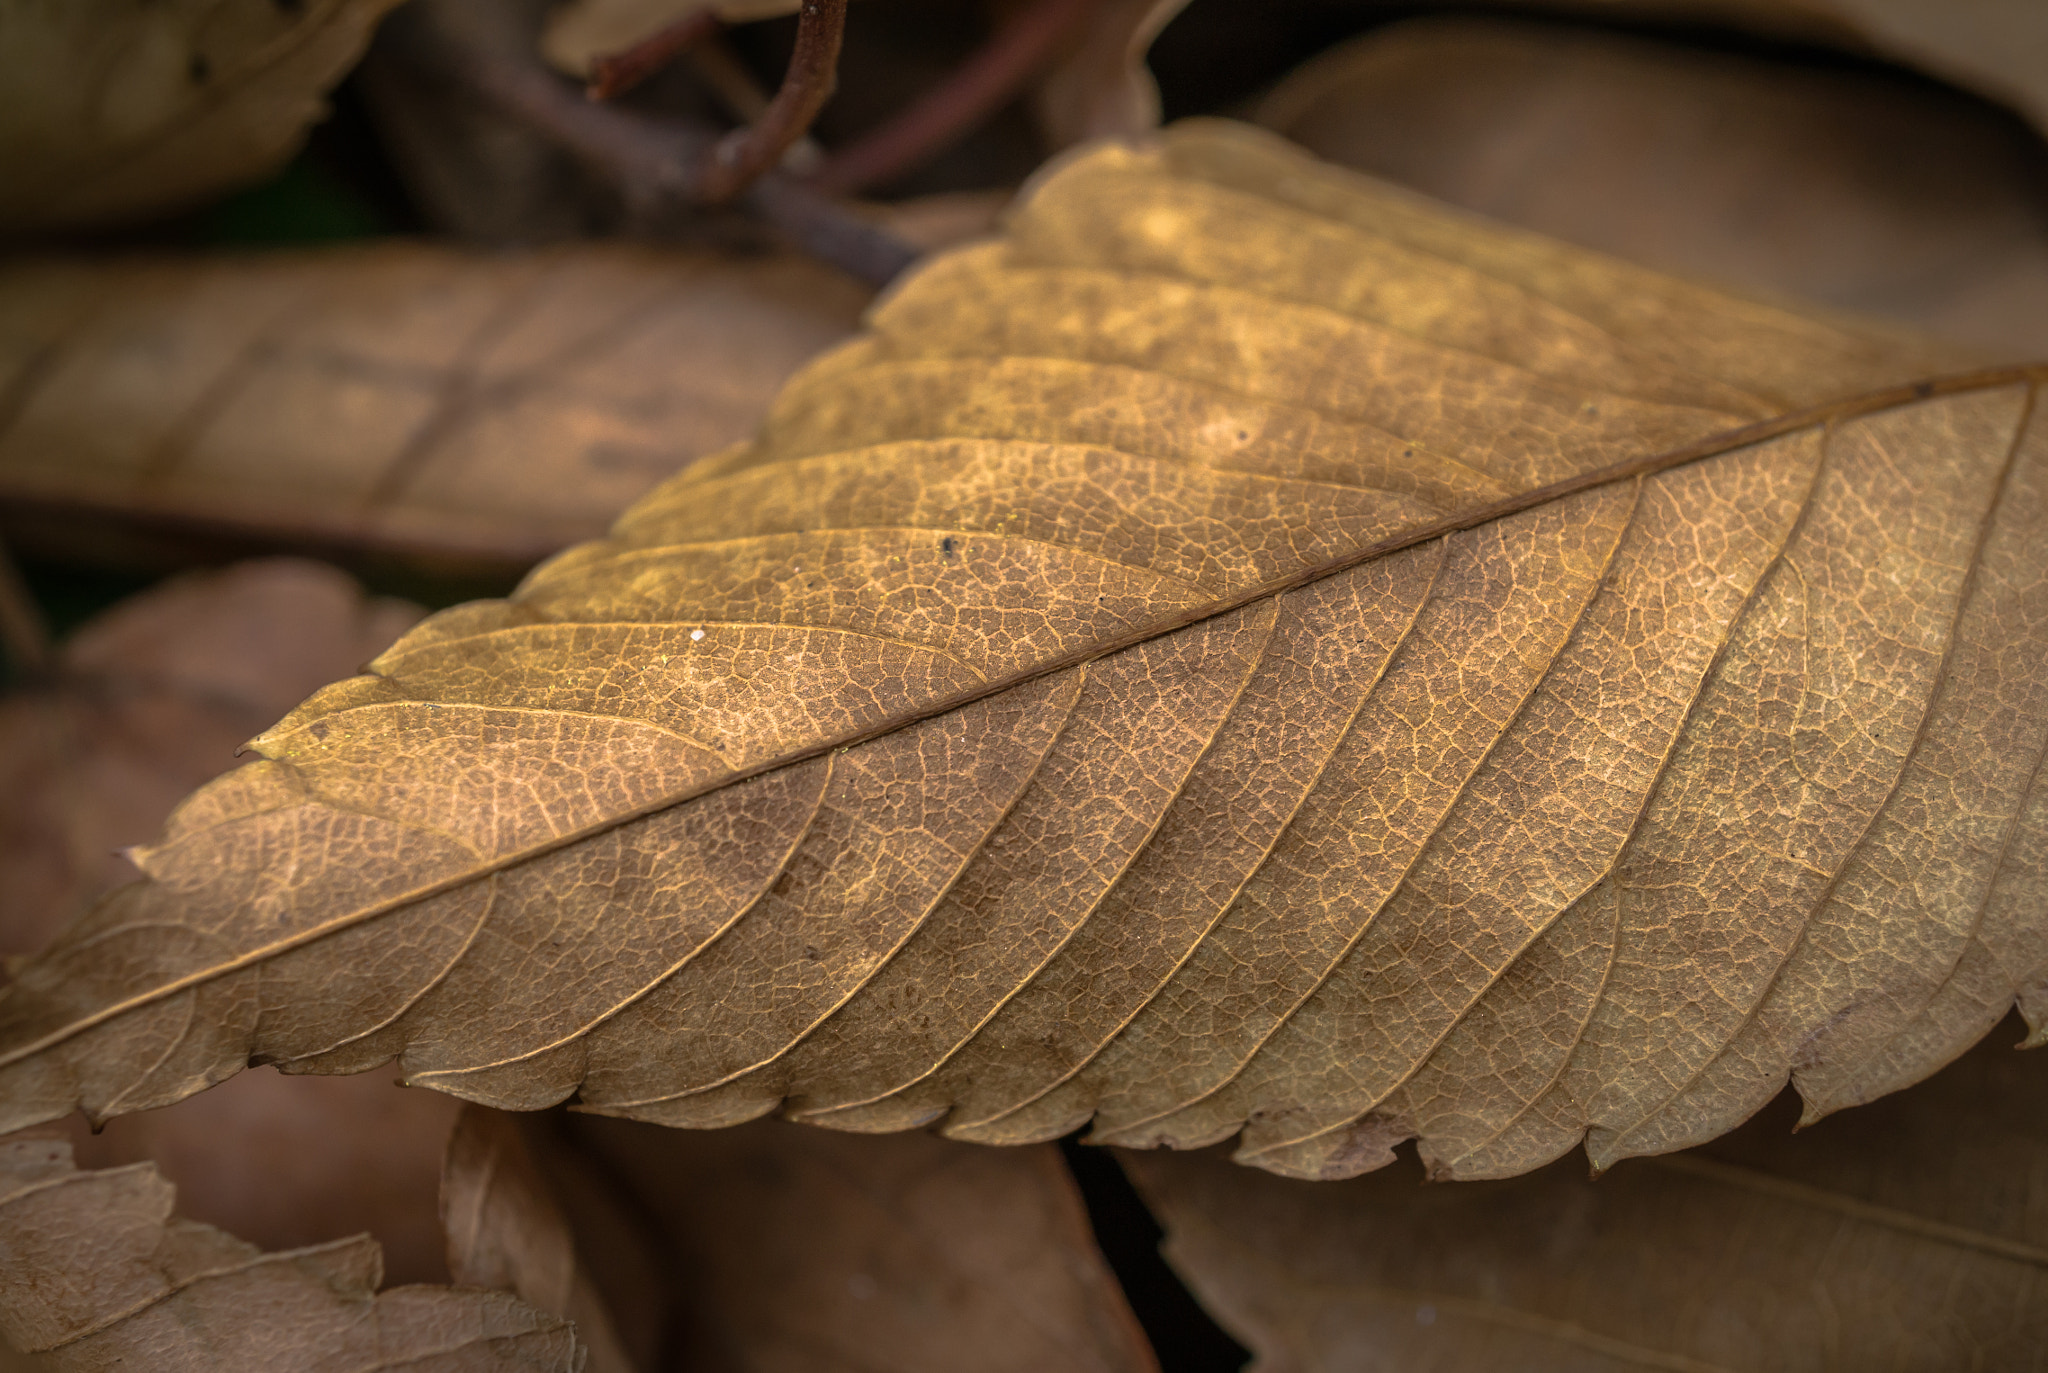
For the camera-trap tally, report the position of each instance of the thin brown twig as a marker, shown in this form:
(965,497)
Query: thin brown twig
(656,164)
(613,75)
(714,63)
(976,89)
(22,627)
(745,154)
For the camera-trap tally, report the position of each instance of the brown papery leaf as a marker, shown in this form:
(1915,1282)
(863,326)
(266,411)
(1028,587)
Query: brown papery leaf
(1251,650)
(506,1230)
(798,1249)
(1102,88)
(148,700)
(95,1274)
(117,109)
(484,408)
(1996,47)
(1891,1238)
(1855,190)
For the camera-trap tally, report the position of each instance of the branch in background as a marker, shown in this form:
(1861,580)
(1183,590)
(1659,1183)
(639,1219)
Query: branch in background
(714,63)
(976,89)
(745,154)
(822,227)
(612,76)
(22,630)
(653,164)
(659,166)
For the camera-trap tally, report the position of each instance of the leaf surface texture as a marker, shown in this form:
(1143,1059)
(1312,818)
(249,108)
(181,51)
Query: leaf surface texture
(95,1274)
(1249,651)
(1887,1238)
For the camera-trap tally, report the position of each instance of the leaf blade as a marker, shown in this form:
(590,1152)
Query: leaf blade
(1523,665)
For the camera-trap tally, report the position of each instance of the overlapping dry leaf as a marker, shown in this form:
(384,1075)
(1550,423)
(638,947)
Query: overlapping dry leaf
(120,108)
(146,701)
(1856,191)
(286,1162)
(484,409)
(1997,47)
(1102,88)
(96,1274)
(1906,1236)
(506,1231)
(1251,651)
(799,1249)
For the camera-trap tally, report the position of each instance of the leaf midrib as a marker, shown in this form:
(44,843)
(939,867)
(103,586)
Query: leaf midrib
(1627,470)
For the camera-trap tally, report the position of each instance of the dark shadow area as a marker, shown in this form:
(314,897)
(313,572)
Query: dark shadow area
(1186,1338)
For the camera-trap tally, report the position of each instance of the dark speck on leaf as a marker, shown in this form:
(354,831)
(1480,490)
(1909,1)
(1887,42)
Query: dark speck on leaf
(949,545)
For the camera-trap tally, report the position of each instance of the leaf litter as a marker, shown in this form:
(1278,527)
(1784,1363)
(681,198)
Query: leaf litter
(117,110)
(1886,1238)
(143,703)
(478,410)
(1832,359)
(1407,703)
(1860,191)
(95,1273)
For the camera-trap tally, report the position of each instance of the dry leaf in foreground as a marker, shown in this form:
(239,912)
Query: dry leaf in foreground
(96,1274)
(1856,191)
(1250,651)
(800,1249)
(1909,1235)
(116,109)
(484,408)
(147,701)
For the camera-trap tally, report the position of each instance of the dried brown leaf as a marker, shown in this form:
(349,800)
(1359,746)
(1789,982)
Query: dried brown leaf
(505,1230)
(1996,47)
(1249,651)
(147,701)
(117,108)
(487,409)
(96,1274)
(799,1249)
(1103,89)
(286,1162)
(1856,191)
(1891,1238)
